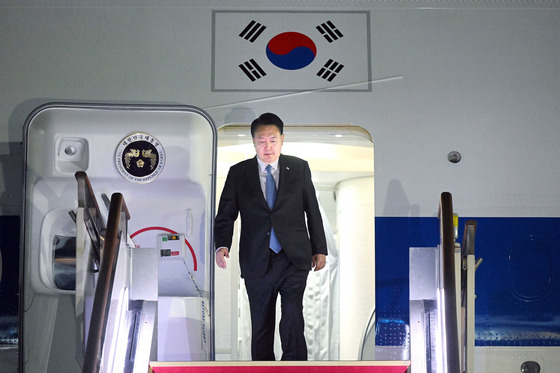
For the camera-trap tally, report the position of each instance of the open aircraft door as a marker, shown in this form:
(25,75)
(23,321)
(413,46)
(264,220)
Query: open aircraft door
(140,179)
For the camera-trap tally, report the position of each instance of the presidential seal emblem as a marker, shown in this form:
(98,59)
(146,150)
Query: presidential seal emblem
(140,158)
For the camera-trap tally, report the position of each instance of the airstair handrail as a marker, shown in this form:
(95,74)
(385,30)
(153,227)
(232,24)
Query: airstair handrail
(467,247)
(116,229)
(467,304)
(447,237)
(94,221)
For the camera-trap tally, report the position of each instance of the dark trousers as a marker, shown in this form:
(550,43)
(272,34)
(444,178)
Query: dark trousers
(281,278)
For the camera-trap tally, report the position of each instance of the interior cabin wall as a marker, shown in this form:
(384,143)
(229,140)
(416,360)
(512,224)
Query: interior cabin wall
(356,257)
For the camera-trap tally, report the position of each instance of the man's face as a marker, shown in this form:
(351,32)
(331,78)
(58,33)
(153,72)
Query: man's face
(268,143)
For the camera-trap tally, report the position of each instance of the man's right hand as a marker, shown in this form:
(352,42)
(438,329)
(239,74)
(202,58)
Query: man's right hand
(221,256)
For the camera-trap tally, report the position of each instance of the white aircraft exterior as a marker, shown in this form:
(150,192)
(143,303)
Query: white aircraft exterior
(423,97)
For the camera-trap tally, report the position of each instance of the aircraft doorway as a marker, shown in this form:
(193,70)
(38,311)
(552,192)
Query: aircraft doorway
(339,299)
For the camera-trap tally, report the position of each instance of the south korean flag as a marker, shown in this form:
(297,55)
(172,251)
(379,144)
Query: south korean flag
(291,51)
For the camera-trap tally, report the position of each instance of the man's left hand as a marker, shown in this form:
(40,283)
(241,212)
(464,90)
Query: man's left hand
(319,261)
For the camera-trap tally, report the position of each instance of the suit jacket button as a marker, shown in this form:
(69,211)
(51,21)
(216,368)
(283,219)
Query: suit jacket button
(268,233)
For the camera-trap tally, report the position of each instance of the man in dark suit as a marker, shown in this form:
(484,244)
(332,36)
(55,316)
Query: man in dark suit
(282,237)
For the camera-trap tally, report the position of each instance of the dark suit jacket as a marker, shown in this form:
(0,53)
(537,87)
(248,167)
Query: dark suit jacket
(295,200)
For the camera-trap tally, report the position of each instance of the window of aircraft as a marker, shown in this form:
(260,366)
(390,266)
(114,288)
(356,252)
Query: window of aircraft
(341,162)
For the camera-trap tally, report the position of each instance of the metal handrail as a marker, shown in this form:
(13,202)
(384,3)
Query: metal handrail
(116,228)
(447,237)
(92,215)
(467,248)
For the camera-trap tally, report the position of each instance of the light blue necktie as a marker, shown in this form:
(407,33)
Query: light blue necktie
(270,198)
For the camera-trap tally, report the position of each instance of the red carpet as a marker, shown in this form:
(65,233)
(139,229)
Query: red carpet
(281,367)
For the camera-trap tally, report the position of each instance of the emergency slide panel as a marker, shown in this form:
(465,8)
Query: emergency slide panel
(161,159)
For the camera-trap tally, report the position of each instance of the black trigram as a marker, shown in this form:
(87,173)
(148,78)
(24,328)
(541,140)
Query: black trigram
(330,70)
(329,31)
(252,31)
(252,70)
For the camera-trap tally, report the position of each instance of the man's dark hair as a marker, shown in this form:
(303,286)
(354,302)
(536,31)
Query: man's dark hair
(265,120)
